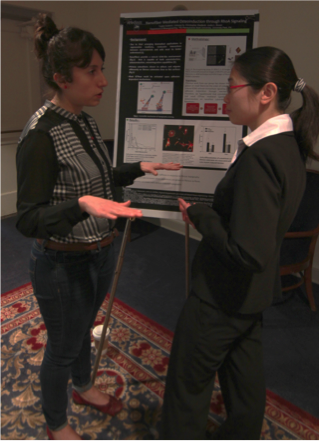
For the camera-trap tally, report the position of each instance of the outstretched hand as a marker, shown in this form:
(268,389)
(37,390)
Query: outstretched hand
(99,207)
(151,167)
(183,206)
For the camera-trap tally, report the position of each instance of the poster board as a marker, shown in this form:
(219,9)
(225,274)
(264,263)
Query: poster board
(172,77)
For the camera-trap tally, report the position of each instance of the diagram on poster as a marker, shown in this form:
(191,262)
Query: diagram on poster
(208,61)
(155,97)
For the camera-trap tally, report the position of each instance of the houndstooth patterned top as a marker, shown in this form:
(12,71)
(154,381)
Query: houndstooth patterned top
(61,157)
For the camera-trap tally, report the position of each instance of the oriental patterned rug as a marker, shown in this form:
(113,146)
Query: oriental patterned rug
(134,370)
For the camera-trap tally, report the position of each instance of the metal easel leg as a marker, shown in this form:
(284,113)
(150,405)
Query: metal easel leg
(187,259)
(111,299)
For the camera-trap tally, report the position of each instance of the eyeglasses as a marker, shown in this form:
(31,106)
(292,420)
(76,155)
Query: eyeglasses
(235,87)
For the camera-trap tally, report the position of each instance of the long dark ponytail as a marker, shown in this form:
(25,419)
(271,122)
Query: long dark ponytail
(268,64)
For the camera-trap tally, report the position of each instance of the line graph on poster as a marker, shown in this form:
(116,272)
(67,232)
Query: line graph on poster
(140,141)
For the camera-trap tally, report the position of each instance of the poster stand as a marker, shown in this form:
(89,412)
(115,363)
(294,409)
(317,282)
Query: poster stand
(111,299)
(187,259)
(126,238)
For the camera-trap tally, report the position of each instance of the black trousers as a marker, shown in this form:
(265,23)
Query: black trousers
(207,341)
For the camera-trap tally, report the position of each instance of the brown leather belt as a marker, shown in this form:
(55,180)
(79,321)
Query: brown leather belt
(79,246)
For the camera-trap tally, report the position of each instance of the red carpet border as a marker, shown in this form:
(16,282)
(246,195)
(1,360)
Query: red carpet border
(134,370)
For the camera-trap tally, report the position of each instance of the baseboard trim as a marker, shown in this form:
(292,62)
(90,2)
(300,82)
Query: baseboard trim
(8,203)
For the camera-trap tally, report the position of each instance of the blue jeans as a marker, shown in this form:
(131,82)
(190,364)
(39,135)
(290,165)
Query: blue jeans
(70,288)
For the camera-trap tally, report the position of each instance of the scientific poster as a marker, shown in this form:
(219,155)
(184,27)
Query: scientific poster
(172,78)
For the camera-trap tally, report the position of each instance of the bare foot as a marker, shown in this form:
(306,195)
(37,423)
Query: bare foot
(95,396)
(65,433)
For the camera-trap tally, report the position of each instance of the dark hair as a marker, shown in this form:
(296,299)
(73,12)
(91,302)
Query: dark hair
(268,64)
(62,50)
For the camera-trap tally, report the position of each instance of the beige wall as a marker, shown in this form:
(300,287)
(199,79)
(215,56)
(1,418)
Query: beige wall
(290,25)
(66,13)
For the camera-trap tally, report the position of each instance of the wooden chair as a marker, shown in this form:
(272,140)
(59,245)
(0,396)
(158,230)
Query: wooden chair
(298,246)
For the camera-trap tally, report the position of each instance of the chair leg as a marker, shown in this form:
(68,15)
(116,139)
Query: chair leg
(308,285)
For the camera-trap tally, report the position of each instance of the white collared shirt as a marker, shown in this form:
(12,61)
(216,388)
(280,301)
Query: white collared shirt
(273,126)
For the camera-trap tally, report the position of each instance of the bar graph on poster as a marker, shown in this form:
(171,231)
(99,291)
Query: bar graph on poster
(172,78)
(217,139)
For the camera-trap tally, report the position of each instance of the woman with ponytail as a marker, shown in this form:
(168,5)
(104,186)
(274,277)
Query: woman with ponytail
(235,271)
(66,190)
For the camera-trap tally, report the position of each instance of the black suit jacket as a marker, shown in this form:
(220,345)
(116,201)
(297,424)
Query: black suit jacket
(236,266)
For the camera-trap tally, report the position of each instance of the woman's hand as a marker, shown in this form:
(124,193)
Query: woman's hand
(99,207)
(183,206)
(151,167)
